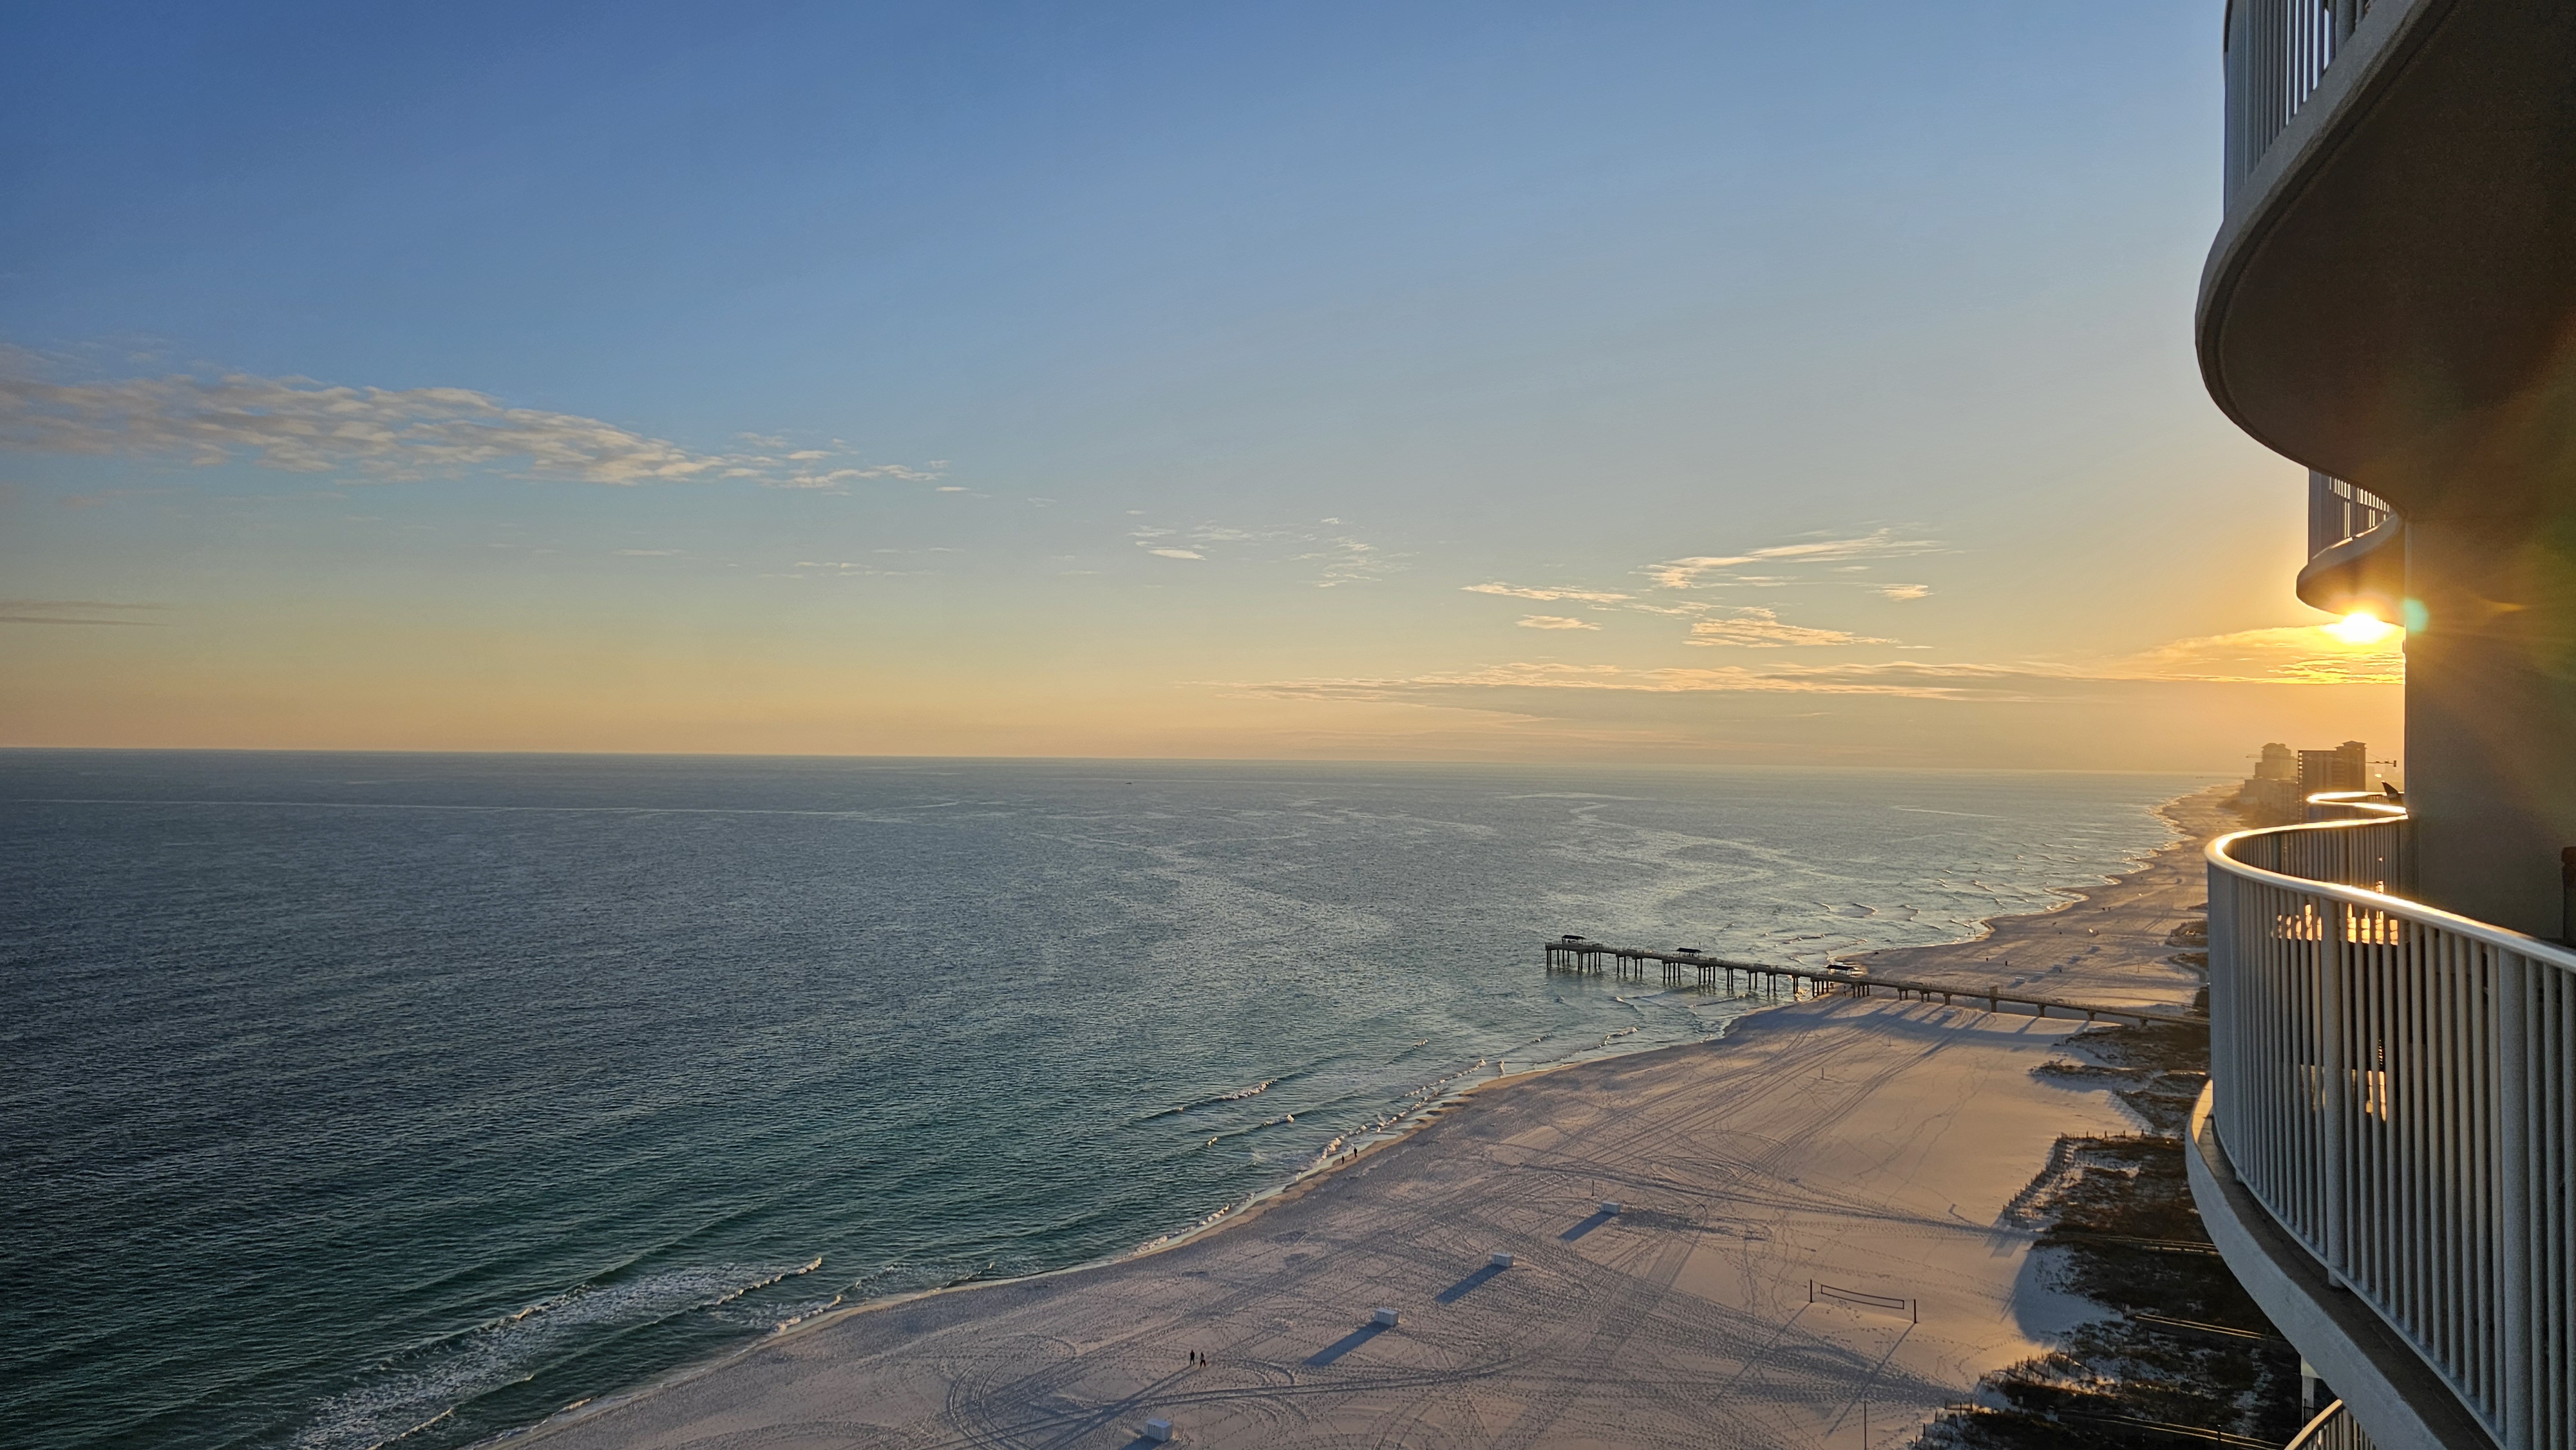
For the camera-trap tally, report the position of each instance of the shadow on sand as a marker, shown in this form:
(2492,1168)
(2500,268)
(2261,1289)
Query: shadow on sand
(1467,1285)
(1585,1227)
(1345,1344)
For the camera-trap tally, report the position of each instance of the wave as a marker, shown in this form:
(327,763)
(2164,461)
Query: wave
(1250,1128)
(407,1393)
(1236,1096)
(782,1326)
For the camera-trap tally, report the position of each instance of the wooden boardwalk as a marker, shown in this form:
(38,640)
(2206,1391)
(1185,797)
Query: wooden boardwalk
(1683,967)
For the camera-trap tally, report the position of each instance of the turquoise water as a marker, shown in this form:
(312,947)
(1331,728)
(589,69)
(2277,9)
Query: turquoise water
(354,1098)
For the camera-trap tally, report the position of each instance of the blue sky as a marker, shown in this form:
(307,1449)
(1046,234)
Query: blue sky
(1170,379)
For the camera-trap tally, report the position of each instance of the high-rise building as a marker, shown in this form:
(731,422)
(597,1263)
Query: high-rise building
(2387,1152)
(2346,767)
(2278,762)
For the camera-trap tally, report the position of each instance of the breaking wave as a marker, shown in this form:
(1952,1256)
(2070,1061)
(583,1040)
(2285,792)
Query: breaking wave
(410,1392)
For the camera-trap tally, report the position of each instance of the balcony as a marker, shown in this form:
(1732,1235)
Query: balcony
(2389,1141)
(2390,301)
(2277,56)
(2367,805)
(2356,551)
(2334,1429)
(2387,295)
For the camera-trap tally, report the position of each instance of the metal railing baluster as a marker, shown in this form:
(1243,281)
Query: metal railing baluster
(2397,1086)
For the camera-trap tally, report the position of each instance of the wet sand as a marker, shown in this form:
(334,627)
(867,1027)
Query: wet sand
(1865,1146)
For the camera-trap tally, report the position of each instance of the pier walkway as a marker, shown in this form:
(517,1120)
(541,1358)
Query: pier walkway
(1684,967)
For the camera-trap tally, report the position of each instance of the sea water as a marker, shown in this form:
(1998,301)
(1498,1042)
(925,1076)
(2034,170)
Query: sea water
(349,1099)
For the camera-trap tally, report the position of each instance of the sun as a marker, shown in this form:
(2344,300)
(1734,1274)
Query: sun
(2360,627)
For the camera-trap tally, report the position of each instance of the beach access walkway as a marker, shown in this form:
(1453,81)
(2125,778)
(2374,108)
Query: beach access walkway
(1868,1148)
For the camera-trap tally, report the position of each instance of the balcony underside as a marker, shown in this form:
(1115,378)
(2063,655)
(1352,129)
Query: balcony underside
(2389,1391)
(2391,298)
(2366,572)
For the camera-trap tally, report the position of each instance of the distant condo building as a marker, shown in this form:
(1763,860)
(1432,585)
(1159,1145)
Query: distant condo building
(2279,762)
(2346,767)
(2284,779)
(2386,1154)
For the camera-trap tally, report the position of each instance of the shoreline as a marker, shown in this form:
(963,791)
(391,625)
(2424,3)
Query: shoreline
(1232,1216)
(1988,930)
(1996,936)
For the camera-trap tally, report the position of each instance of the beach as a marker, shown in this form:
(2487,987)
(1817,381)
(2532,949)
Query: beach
(1814,1245)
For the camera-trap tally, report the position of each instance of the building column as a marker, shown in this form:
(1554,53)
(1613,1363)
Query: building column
(2490,694)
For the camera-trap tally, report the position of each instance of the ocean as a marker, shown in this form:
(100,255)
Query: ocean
(356,1099)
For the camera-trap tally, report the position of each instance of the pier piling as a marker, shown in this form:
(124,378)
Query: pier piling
(1708,973)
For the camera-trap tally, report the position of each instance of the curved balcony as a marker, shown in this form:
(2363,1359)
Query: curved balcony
(2389,1143)
(2388,295)
(2356,551)
(2334,1428)
(2364,805)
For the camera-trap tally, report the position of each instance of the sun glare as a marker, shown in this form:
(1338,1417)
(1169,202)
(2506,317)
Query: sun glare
(2360,627)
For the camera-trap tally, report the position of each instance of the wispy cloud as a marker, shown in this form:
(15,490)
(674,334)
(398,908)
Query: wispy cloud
(1553,621)
(1808,561)
(1346,558)
(1349,561)
(845,568)
(301,426)
(1520,591)
(2289,654)
(764,471)
(1706,570)
(1764,629)
(1912,681)
(78,611)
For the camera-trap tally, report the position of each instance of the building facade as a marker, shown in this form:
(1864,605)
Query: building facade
(2278,762)
(2387,1153)
(2344,768)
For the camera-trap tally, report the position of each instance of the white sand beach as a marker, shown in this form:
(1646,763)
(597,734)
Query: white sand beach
(1869,1149)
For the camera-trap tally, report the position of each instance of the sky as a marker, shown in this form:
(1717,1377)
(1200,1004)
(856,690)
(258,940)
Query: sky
(1725,383)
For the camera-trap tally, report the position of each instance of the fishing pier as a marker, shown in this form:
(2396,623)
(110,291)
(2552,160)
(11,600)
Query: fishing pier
(1685,967)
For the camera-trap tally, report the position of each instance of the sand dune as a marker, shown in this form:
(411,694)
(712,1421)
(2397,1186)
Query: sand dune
(1872,1147)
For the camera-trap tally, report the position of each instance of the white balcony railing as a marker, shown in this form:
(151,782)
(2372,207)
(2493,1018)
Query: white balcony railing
(2338,512)
(2366,848)
(2277,51)
(2355,805)
(2396,1085)
(2332,1429)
